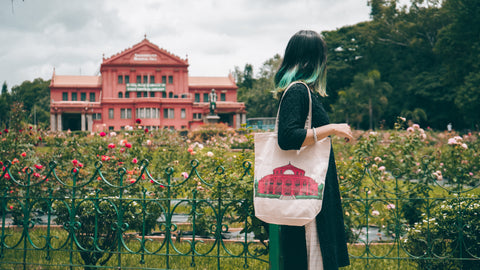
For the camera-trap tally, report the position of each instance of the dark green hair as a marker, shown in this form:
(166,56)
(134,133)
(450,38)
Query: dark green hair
(305,60)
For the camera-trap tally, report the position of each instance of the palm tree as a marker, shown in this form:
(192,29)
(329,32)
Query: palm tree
(372,91)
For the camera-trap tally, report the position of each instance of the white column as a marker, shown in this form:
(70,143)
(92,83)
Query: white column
(59,122)
(82,125)
(89,122)
(53,124)
(244,118)
(237,121)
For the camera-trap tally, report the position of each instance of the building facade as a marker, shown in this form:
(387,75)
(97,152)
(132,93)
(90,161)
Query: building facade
(143,82)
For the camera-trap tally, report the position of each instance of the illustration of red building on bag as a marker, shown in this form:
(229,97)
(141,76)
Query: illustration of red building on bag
(288,182)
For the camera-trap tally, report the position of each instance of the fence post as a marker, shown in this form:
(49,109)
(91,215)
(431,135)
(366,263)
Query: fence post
(275,254)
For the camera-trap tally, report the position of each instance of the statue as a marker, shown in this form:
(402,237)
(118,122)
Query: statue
(213,102)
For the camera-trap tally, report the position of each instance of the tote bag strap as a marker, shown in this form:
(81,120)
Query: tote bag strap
(308,122)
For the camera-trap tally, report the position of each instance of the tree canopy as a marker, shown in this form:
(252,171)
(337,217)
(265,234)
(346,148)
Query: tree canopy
(419,61)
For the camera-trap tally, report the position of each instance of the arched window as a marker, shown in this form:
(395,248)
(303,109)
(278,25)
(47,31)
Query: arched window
(120,94)
(170,95)
(127,94)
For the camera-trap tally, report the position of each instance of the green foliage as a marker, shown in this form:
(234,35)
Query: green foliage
(449,225)
(258,93)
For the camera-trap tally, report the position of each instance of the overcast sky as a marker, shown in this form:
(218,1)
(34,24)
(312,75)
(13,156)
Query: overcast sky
(217,35)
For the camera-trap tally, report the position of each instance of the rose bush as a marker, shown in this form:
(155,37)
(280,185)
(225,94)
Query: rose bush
(386,177)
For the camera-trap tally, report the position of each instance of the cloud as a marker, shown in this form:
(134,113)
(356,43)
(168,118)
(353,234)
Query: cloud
(217,35)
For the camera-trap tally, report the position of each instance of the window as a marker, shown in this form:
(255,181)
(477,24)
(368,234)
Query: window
(110,113)
(170,95)
(170,79)
(222,97)
(65,96)
(147,113)
(127,94)
(145,78)
(183,114)
(83,96)
(127,79)
(139,94)
(97,116)
(110,128)
(74,96)
(139,113)
(197,116)
(152,94)
(92,97)
(164,79)
(145,94)
(164,94)
(152,79)
(205,97)
(139,79)
(120,79)
(197,97)
(168,113)
(120,95)
(126,113)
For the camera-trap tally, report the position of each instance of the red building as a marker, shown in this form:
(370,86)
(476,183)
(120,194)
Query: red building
(288,180)
(143,82)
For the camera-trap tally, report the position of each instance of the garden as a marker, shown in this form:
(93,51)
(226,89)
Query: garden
(170,199)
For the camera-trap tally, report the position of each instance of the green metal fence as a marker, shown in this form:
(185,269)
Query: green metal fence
(137,220)
(125,223)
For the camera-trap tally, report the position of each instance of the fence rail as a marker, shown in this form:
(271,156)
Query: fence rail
(132,220)
(167,222)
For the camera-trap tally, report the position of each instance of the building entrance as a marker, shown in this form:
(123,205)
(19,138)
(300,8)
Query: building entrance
(226,118)
(71,121)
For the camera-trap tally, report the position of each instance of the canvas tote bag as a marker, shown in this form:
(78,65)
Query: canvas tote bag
(289,185)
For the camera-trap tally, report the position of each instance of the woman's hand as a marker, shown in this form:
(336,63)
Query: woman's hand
(342,130)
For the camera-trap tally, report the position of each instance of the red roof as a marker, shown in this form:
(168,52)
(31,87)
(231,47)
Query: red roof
(220,82)
(76,81)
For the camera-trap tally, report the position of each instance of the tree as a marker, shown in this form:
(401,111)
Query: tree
(372,92)
(257,93)
(4,88)
(4,105)
(36,99)
(468,100)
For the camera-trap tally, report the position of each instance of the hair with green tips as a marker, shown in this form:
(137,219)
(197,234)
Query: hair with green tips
(305,60)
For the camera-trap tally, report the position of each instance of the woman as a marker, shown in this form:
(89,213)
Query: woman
(305,60)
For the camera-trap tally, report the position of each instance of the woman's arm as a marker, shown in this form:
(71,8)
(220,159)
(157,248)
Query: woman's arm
(342,130)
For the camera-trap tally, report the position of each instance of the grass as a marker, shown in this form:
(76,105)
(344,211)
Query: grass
(387,256)
(383,256)
(61,257)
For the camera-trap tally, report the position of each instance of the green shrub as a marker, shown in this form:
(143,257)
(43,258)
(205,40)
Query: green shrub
(450,231)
